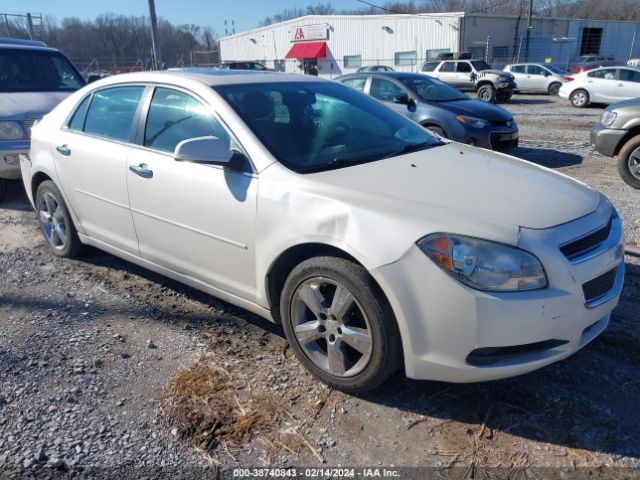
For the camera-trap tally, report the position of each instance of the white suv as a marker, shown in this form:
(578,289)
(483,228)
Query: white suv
(475,75)
(33,80)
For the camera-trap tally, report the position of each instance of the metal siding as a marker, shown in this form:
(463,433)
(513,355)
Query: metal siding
(350,35)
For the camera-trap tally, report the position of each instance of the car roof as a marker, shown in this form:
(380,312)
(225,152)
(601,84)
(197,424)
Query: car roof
(397,75)
(211,77)
(26,47)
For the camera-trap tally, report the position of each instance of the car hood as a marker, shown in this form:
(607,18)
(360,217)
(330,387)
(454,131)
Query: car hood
(479,183)
(476,108)
(502,73)
(29,104)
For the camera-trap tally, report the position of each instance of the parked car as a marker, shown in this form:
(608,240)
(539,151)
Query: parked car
(33,79)
(243,66)
(375,68)
(602,85)
(473,75)
(536,77)
(618,135)
(439,108)
(374,243)
(589,62)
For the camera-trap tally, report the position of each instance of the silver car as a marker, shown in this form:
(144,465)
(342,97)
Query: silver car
(33,80)
(536,77)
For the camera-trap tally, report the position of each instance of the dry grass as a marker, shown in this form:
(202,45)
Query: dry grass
(209,407)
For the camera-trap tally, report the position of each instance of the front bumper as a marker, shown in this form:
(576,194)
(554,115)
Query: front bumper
(9,158)
(606,140)
(494,139)
(445,323)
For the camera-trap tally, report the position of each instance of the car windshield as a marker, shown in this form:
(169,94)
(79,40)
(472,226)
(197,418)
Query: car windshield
(316,126)
(480,65)
(433,90)
(36,71)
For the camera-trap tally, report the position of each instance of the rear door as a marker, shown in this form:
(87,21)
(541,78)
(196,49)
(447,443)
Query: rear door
(195,219)
(91,161)
(628,85)
(464,77)
(447,72)
(519,73)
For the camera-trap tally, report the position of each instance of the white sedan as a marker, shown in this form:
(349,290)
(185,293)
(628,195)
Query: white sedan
(602,85)
(376,244)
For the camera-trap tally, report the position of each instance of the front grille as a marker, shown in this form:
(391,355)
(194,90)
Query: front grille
(585,244)
(599,286)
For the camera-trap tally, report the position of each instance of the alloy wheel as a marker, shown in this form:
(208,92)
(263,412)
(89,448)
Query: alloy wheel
(52,221)
(331,327)
(634,163)
(579,99)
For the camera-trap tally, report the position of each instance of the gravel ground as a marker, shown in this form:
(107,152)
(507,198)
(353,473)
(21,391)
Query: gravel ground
(88,346)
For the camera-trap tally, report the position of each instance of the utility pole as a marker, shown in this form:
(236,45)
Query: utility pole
(528,41)
(155,40)
(30,24)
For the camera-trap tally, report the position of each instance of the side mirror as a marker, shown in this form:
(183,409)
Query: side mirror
(402,99)
(210,149)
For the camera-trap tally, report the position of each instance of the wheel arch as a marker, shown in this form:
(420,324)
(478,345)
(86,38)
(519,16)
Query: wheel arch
(628,136)
(482,83)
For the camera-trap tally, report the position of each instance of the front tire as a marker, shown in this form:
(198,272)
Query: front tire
(554,89)
(340,325)
(55,221)
(579,98)
(487,93)
(629,162)
(437,130)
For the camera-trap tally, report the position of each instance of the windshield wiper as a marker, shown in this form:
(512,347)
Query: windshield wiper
(414,147)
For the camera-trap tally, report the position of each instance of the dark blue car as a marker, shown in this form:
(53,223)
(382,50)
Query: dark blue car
(439,108)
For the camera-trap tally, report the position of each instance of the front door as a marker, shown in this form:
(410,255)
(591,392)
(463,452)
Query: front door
(387,91)
(628,85)
(92,164)
(195,219)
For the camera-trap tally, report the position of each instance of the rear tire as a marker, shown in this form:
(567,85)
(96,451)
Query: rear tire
(487,93)
(3,189)
(55,221)
(554,88)
(579,98)
(629,162)
(340,325)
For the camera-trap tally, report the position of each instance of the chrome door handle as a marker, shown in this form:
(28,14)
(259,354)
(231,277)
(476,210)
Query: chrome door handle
(64,150)
(141,170)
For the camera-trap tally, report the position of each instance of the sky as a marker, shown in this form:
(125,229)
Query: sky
(246,13)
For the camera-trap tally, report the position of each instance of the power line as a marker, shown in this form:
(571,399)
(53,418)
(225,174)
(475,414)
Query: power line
(406,13)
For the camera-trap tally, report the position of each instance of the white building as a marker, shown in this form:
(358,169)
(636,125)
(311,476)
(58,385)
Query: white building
(336,44)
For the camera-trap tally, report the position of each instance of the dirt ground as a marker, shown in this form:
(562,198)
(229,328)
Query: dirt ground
(88,349)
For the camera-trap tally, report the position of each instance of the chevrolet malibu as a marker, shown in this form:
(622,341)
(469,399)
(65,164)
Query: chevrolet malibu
(376,245)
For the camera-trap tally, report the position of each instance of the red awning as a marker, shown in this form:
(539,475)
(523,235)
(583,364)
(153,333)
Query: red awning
(308,50)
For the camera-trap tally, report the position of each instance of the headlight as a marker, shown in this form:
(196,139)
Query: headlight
(12,131)
(607,118)
(471,121)
(484,265)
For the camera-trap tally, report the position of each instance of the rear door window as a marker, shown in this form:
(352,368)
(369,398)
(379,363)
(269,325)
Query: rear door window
(111,112)
(605,74)
(447,67)
(517,69)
